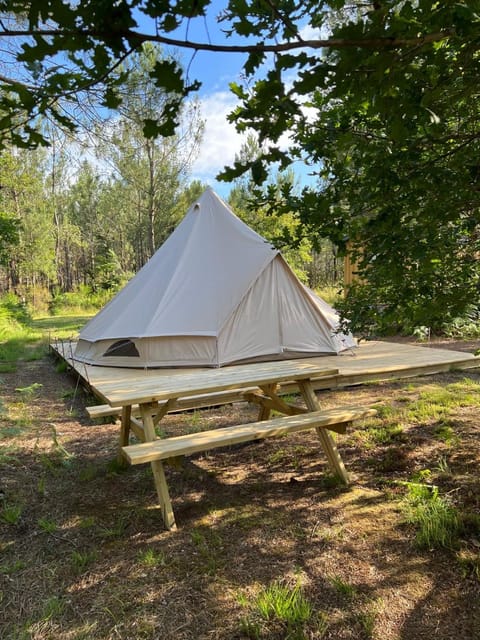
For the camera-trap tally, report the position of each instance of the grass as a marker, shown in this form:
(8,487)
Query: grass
(367,618)
(11,513)
(53,607)
(81,560)
(445,432)
(208,547)
(152,558)
(27,339)
(12,568)
(47,525)
(342,587)
(435,520)
(83,553)
(278,607)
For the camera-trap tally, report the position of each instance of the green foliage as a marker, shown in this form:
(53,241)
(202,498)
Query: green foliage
(330,294)
(9,235)
(18,339)
(465,326)
(384,112)
(81,560)
(342,587)
(152,558)
(47,525)
(435,519)
(282,608)
(392,134)
(11,513)
(83,300)
(12,310)
(446,433)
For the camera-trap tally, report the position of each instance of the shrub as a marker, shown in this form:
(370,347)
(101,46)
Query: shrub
(84,299)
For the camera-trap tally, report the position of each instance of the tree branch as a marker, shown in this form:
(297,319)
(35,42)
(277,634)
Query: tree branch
(329,43)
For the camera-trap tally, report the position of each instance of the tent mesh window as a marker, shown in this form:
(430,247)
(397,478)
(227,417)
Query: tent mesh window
(122,348)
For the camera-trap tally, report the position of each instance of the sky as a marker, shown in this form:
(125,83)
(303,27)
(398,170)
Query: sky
(216,71)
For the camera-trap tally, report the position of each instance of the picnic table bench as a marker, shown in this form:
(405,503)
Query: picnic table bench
(257,383)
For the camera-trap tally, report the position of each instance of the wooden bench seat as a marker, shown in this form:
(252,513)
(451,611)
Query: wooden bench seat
(103,411)
(158,450)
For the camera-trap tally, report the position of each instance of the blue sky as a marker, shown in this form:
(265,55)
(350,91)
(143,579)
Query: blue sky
(216,71)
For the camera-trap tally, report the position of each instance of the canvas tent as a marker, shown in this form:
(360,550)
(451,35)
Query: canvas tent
(214,293)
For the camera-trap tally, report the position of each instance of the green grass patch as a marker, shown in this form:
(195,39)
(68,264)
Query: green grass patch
(11,513)
(384,433)
(47,525)
(11,568)
(281,610)
(446,433)
(342,587)
(53,608)
(7,453)
(65,325)
(435,519)
(152,558)
(208,545)
(81,560)
(25,338)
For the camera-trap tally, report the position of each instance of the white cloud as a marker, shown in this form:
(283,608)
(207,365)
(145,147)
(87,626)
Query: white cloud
(221,142)
(315,33)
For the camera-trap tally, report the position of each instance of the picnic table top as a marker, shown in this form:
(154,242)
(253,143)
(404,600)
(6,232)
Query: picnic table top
(371,361)
(190,382)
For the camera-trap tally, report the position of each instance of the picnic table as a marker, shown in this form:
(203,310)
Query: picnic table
(155,396)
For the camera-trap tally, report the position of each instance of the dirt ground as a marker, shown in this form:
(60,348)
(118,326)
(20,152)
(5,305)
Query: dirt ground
(83,554)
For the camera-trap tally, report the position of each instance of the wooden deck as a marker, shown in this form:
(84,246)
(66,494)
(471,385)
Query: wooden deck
(371,361)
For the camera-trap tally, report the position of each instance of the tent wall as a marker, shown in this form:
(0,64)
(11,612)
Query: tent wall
(171,351)
(215,293)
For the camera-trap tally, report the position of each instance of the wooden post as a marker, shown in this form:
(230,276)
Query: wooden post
(326,439)
(265,410)
(158,470)
(124,432)
(350,268)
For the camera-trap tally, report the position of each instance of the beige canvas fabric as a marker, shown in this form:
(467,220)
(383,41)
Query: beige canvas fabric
(215,292)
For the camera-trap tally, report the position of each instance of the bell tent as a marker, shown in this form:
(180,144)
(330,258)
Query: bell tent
(213,294)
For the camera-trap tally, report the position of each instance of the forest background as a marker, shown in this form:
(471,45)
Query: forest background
(378,101)
(82,216)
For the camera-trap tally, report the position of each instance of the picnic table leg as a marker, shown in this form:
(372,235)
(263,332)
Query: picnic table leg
(158,471)
(264,411)
(326,439)
(124,433)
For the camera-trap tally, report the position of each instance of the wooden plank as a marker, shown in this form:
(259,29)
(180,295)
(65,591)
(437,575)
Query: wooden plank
(326,440)
(158,412)
(158,471)
(265,407)
(140,391)
(373,361)
(136,427)
(274,404)
(182,404)
(206,440)
(124,433)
